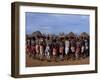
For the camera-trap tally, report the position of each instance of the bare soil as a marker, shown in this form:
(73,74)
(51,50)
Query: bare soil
(30,62)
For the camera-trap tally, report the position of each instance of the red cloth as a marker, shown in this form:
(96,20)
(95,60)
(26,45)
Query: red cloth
(61,49)
(33,49)
(77,50)
(54,51)
(28,48)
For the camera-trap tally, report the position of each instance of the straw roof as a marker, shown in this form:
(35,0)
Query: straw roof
(84,34)
(37,33)
(28,36)
(71,34)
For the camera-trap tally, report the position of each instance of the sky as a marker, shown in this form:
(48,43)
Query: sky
(55,23)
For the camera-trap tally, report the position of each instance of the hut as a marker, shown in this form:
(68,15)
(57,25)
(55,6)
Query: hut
(36,34)
(84,35)
(71,35)
(28,36)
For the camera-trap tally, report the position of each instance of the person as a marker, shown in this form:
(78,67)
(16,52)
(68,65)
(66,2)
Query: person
(78,49)
(61,49)
(33,48)
(37,47)
(47,52)
(28,47)
(48,48)
(41,48)
(86,47)
(33,52)
(82,48)
(41,51)
(73,45)
(54,53)
(67,45)
(54,50)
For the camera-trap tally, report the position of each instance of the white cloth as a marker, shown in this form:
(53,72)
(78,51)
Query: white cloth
(66,50)
(73,49)
(47,51)
(41,48)
(67,43)
(66,47)
(37,48)
(82,49)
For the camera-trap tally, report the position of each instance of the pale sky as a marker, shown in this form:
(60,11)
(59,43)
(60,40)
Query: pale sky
(56,23)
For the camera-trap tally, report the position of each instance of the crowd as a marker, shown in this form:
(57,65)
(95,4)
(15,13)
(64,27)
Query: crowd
(53,48)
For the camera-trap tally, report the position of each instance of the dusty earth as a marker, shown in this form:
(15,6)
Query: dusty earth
(30,62)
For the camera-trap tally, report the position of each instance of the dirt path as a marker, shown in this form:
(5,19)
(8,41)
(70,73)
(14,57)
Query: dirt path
(30,62)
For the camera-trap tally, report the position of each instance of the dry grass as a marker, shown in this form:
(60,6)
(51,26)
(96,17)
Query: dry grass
(30,62)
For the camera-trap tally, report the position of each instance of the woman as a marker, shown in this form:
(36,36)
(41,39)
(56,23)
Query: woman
(61,49)
(47,52)
(54,50)
(33,51)
(28,47)
(73,45)
(82,48)
(86,47)
(41,50)
(33,48)
(37,47)
(54,53)
(78,49)
(67,44)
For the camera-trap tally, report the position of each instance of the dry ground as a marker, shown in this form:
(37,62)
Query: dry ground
(30,62)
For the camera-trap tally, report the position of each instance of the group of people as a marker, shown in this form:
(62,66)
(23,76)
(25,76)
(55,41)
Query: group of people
(62,48)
